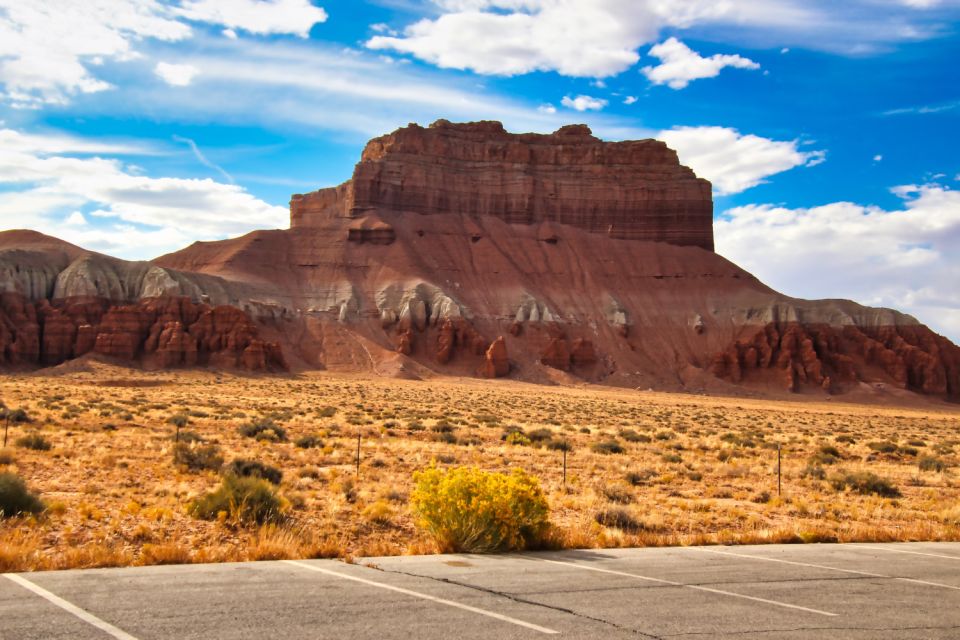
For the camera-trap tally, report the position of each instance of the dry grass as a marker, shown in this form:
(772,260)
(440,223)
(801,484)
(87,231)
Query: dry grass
(693,470)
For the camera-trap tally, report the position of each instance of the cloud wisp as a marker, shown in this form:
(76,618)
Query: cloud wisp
(104,204)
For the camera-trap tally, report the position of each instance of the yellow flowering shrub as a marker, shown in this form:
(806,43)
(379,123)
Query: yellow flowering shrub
(470,510)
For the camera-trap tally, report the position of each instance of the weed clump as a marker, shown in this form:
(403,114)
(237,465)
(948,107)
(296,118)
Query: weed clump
(607,447)
(619,519)
(15,499)
(34,441)
(474,511)
(241,500)
(264,429)
(309,442)
(254,469)
(931,463)
(197,458)
(865,483)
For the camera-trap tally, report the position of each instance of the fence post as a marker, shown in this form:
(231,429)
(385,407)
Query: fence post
(6,426)
(778,470)
(358,454)
(564,467)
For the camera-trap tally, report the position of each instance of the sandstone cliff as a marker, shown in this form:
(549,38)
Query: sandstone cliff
(635,189)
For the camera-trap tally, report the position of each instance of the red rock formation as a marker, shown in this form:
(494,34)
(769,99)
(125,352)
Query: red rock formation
(635,189)
(910,356)
(160,332)
(495,361)
(557,354)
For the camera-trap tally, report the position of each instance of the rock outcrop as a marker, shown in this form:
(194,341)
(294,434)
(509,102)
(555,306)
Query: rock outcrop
(636,190)
(156,332)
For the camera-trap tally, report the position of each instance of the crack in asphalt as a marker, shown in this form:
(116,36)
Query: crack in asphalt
(811,628)
(518,599)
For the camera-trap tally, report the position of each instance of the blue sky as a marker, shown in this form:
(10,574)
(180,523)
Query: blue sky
(829,130)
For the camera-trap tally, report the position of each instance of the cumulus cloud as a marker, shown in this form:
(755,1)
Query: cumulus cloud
(600,38)
(50,49)
(584,103)
(46,48)
(261,17)
(679,64)
(104,204)
(733,161)
(907,258)
(176,75)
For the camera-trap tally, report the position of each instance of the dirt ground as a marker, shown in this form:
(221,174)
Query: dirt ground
(643,468)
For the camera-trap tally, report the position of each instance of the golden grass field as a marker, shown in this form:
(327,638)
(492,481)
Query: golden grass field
(694,470)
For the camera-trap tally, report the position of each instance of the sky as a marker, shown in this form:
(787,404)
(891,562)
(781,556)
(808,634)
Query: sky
(828,129)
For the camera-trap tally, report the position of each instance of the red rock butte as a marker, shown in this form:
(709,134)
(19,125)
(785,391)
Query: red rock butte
(461,249)
(635,190)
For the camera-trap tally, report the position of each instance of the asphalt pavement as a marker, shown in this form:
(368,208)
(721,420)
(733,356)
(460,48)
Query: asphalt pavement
(863,591)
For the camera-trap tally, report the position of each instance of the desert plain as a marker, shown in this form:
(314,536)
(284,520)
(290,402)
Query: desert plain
(643,468)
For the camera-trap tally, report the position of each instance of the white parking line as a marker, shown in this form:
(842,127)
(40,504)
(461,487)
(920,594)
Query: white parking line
(86,616)
(823,566)
(424,596)
(681,584)
(916,553)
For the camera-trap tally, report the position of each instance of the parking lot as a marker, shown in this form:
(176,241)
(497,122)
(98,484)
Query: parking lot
(777,591)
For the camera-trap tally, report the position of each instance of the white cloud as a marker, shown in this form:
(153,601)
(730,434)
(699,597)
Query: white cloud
(549,109)
(129,214)
(600,38)
(877,158)
(679,64)
(906,258)
(45,47)
(48,48)
(176,75)
(629,99)
(260,17)
(733,161)
(584,103)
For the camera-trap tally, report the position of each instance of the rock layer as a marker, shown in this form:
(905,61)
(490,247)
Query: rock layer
(636,189)
(157,332)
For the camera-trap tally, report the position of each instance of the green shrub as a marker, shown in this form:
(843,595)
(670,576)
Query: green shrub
(15,499)
(931,463)
(474,511)
(326,412)
(254,469)
(16,416)
(559,445)
(263,429)
(518,438)
(309,442)
(619,519)
(883,447)
(540,436)
(632,436)
(34,441)
(239,499)
(197,458)
(865,483)
(607,447)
